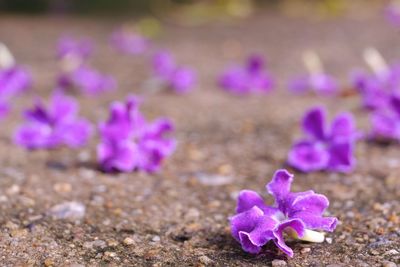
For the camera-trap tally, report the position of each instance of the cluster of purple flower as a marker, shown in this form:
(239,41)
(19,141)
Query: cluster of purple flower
(248,79)
(76,73)
(129,142)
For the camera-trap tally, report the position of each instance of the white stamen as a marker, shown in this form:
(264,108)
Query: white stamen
(312,62)
(375,61)
(6,58)
(309,236)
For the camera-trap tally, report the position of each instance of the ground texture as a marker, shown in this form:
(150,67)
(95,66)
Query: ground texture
(179,216)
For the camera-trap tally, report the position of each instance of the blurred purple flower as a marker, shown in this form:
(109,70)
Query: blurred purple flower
(386,121)
(392,13)
(14,80)
(131,143)
(87,80)
(129,42)
(377,89)
(251,78)
(325,148)
(179,78)
(79,49)
(53,126)
(297,214)
(323,84)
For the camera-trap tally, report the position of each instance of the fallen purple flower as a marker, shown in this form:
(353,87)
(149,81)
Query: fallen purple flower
(53,126)
(129,42)
(181,79)
(392,13)
(251,78)
(325,148)
(79,49)
(321,83)
(14,80)
(385,122)
(297,214)
(130,143)
(87,80)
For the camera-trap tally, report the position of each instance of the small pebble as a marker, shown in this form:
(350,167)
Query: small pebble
(389,264)
(129,241)
(305,250)
(62,187)
(279,263)
(68,210)
(328,240)
(205,260)
(156,239)
(48,262)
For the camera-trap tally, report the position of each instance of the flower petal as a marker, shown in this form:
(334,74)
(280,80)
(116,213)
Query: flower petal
(343,127)
(259,236)
(119,156)
(306,156)
(313,203)
(314,221)
(294,224)
(245,221)
(248,199)
(341,156)
(314,123)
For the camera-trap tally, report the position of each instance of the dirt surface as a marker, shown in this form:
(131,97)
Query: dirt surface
(179,216)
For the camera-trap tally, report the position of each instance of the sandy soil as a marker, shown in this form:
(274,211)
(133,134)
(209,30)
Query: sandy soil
(179,216)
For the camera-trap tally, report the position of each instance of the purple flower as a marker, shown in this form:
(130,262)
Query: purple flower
(392,13)
(87,80)
(322,83)
(14,80)
(79,49)
(53,126)
(179,78)
(376,90)
(386,121)
(129,42)
(325,148)
(297,214)
(130,143)
(251,78)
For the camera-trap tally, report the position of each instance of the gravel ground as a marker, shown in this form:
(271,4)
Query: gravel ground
(179,216)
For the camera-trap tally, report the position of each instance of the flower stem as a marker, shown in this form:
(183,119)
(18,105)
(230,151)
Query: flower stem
(375,61)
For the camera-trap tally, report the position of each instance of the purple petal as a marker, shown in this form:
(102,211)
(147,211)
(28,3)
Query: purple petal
(34,136)
(255,64)
(245,221)
(182,80)
(343,127)
(75,133)
(82,48)
(323,84)
(300,84)
(341,156)
(63,107)
(248,199)
(14,80)
(311,202)
(316,222)
(280,185)
(259,236)
(130,43)
(385,126)
(314,123)
(307,156)
(163,64)
(119,156)
(395,104)
(294,224)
